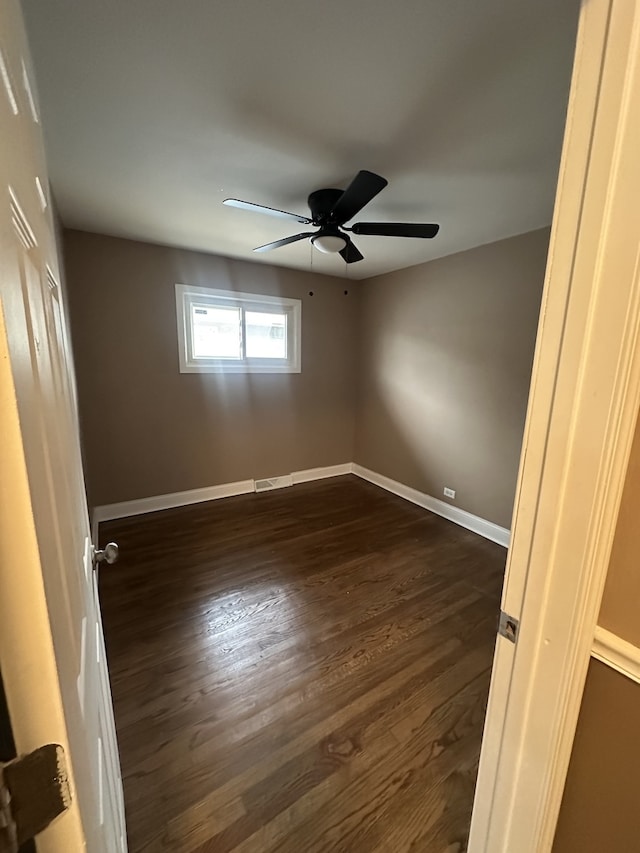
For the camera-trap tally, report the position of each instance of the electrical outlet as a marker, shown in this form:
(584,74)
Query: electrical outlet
(449,493)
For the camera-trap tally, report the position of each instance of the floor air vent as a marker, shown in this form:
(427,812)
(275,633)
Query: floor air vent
(273,483)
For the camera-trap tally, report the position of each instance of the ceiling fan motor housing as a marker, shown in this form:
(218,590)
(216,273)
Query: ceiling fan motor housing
(321,204)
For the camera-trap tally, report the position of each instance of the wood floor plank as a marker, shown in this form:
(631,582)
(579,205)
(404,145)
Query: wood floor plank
(393,691)
(304,669)
(429,593)
(292,711)
(362,804)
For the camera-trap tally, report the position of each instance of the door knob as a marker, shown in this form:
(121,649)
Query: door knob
(109,554)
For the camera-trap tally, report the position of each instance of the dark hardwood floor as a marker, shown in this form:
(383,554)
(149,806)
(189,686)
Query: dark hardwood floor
(299,671)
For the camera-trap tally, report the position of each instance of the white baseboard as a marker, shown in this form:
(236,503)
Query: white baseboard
(211,493)
(617,653)
(193,496)
(478,525)
(321,473)
(124,509)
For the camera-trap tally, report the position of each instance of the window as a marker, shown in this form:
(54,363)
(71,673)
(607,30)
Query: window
(221,331)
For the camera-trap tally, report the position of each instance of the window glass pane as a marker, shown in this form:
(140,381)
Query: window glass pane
(216,332)
(266,334)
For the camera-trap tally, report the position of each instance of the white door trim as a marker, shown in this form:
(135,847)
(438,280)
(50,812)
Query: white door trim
(583,406)
(617,653)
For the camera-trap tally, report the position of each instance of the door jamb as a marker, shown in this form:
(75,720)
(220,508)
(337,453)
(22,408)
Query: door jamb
(583,407)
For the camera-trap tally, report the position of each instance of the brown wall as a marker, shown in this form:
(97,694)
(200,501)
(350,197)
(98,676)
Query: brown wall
(445,366)
(600,808)
(150,430)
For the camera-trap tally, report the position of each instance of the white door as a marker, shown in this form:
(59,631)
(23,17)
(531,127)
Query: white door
(52,653)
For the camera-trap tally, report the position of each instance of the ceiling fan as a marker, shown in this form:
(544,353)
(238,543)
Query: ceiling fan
(330,209)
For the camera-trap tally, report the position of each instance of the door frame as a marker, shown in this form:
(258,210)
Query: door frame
(583,407)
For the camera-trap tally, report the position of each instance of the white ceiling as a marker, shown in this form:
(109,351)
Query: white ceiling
(156,110)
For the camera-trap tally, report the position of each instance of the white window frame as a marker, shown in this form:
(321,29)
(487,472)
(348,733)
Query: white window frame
(187,296)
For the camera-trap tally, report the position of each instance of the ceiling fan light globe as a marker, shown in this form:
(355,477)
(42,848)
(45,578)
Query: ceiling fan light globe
(330,244)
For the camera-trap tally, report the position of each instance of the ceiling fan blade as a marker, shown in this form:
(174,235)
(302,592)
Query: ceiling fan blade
(284,242)
(271,211)
(350,253)
(395,229)
(364,187)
